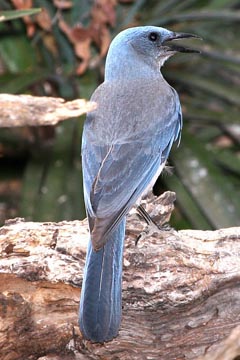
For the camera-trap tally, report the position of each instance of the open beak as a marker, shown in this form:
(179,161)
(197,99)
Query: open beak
(179,48)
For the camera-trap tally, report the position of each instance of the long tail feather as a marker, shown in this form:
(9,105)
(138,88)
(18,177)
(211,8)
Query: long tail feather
(101,297)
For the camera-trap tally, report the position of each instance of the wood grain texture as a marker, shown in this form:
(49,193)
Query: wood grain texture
(181,291)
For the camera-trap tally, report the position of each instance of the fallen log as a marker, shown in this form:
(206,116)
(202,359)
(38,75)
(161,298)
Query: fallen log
(181,291)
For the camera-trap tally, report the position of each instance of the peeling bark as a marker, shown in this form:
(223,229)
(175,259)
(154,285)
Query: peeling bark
(181,291)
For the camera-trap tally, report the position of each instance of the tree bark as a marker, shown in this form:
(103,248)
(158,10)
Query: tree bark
(27,110)
(181,297)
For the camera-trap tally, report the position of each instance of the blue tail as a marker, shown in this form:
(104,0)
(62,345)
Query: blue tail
(101,296)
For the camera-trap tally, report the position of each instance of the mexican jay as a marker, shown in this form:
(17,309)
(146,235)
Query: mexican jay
(125,145)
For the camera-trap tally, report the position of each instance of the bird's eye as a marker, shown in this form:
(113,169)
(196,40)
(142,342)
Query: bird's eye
(153,36)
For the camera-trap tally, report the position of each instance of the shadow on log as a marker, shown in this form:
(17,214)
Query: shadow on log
(181,291)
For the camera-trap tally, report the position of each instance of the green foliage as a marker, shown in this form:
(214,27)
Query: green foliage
(53,60)
(15,14)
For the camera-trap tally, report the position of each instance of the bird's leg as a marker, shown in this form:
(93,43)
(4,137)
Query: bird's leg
(151,224)
(145,215)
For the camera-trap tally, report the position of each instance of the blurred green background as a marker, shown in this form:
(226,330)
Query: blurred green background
(61,51)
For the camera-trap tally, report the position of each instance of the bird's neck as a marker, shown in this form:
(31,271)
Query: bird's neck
(121,66)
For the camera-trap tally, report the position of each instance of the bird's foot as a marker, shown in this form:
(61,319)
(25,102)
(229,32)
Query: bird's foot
(151,229)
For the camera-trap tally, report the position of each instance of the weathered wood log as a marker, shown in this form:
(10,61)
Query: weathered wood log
(28,110)
(181,291)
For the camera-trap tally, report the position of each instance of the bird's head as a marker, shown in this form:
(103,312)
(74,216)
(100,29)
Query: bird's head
(145,44)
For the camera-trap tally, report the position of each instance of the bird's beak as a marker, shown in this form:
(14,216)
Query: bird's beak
(179,48)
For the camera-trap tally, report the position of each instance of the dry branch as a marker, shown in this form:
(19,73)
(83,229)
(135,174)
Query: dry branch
(27,110)
(181,297)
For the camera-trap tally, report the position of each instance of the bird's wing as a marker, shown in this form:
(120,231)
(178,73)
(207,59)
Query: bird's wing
(116,175)
(124,173)
(125,169)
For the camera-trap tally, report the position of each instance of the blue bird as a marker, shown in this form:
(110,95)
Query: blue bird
(126,142)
